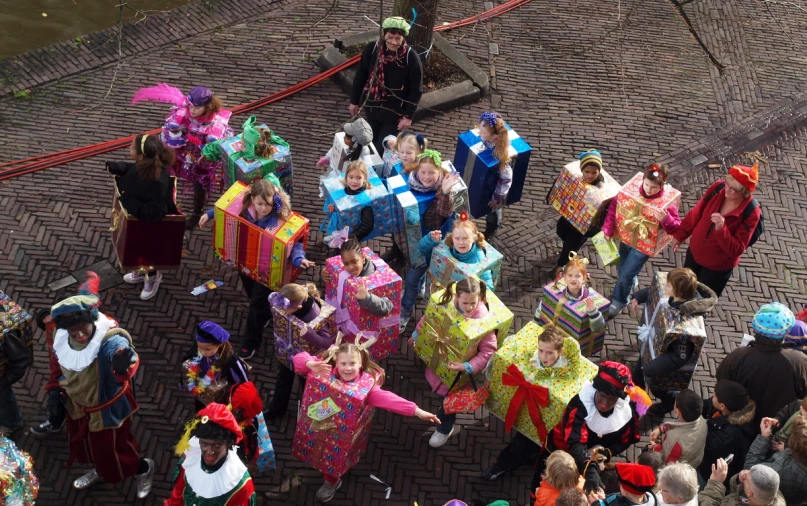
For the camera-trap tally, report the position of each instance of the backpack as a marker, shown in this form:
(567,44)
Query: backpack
(748,211)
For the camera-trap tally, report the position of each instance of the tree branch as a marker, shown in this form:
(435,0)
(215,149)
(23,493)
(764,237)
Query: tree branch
(679,7)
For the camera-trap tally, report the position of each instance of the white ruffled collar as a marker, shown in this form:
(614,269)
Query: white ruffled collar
(78,360)
(211,485)
(597,423)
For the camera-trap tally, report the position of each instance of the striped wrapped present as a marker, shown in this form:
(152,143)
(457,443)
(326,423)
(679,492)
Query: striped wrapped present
(343,210)
(480,169)
(573,318)
(261,254)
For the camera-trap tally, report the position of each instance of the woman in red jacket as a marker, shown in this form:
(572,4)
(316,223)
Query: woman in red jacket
(719,233)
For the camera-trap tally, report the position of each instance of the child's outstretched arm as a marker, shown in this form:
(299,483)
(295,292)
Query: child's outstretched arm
(305,364)
(389,401)
(429,242)
(207,216)
(297,257)
(671,221)
(377,306)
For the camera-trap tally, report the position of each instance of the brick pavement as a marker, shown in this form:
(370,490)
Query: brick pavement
(641,92)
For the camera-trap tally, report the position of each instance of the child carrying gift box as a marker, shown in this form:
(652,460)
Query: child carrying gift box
(645,214)
(367,296)
(256,153)
(532,377)
(459,333)
(493,160)
(302,322)
(672,333)
(337,409)
(576,307)
(256,449)
(581,194)
(354,144)
(256,230)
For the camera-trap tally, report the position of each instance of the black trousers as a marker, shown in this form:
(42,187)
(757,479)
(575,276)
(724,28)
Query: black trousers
(572,239)
(260,311)
(659,366)
(57,411)
(524,451)
(383,123)
(716,280)
(283,388)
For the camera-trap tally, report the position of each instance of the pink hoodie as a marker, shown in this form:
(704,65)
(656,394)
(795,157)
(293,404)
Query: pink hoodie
(377,397)
(487,347)
(669,224)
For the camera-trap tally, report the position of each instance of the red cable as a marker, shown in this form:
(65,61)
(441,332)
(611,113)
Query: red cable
(40,162)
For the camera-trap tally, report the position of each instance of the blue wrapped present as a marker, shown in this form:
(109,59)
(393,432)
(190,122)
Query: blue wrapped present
(240,169)
(266,450)
(345,210)
(480,169)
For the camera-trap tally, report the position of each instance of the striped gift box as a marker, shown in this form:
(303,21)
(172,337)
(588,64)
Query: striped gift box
(346,209)
(479,168)
(261,254)
(573,317)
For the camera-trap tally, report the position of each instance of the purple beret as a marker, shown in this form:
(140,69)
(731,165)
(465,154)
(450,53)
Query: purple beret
(200,96)
(211,333)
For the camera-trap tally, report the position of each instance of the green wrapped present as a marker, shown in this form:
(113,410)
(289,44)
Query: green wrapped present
(607,249)
(528,396)
(244,164)
(447,336)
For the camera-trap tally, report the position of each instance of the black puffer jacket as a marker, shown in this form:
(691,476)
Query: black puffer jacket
(726,435)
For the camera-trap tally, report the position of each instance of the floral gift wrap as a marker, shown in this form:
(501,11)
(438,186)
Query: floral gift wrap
(447,336)
(637,219)
(527,395)
(333,424)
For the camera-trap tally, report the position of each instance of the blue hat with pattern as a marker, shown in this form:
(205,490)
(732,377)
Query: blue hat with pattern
(773,320)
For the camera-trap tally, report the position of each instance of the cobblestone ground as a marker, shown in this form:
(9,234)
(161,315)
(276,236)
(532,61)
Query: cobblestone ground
(623,76)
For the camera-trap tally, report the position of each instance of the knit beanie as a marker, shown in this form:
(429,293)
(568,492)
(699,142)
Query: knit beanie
(746,176)
(732,394)
(773,320)
(396,22)
(591,156)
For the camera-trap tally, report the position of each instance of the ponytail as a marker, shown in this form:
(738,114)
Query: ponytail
(156,157)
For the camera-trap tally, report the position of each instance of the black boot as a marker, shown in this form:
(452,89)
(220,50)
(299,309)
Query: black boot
(393,254)
(199,200)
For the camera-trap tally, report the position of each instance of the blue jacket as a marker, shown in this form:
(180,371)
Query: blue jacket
(473,256)
(297,252)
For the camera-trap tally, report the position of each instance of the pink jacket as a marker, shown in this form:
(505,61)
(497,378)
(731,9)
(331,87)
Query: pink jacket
(669,224)
(377,397)
(487,347)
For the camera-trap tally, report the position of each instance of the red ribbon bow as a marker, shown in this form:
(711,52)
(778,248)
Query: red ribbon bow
(533,395)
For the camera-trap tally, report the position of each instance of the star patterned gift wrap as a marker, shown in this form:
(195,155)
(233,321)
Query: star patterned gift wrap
(637,221)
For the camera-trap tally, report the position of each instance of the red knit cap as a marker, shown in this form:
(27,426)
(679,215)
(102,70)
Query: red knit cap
(220,415)
(746,176)
(245,396)
(635,478)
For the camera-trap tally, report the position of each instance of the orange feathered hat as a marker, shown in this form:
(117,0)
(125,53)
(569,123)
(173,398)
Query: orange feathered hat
(746,176)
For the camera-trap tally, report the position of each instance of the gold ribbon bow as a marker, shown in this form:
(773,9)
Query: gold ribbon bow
(573,255)
(638,225)
(442,348)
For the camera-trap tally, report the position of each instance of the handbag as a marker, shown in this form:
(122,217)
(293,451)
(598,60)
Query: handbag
(466,399)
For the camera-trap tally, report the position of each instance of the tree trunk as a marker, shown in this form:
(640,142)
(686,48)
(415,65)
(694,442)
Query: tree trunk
(420,35)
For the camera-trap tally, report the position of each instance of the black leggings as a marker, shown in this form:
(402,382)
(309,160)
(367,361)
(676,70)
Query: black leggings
(659,366)
(260,311)
(383,123)
(572,239)
(716,280)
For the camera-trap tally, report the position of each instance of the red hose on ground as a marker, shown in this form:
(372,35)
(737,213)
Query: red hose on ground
(41,162)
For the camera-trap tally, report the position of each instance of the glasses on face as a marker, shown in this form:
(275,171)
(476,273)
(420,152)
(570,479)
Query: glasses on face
(735,190)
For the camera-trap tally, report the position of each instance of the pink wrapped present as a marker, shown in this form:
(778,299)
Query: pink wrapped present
(351,318)
(333,424)
(637,219)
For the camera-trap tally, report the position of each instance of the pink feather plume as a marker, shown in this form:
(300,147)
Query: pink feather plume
(160,93)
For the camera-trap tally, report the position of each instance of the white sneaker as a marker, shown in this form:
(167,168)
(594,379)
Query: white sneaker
(150,288)
(89,478)
(135,277)
(403,322)
(327,490)
(438,439)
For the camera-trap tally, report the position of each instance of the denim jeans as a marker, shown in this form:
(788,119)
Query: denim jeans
(415,278)
(10,415)
(631,262)
(57,411)
(446,420)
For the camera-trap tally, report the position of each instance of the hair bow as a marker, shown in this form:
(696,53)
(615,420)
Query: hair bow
(338,238)
(432,154)
(490,118)
(582,260)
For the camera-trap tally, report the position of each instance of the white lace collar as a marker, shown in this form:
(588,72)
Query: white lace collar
(78,360)
(211,485)
(597,423)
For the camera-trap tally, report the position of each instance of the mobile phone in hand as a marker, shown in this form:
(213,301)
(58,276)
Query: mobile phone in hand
(729,458)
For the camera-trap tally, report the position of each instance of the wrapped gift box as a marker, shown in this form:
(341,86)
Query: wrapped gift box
(445,268)
(579,202)
(636,220)
(13,319)
(261,254)
(241,169)
(289,331)
(337,155)
(562,381)
(480,169)
(446,335)
(573,316)
(392,165)
(345,210)
(670,326)
(333,423)
(607,249)
(134,241)
(351,319)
